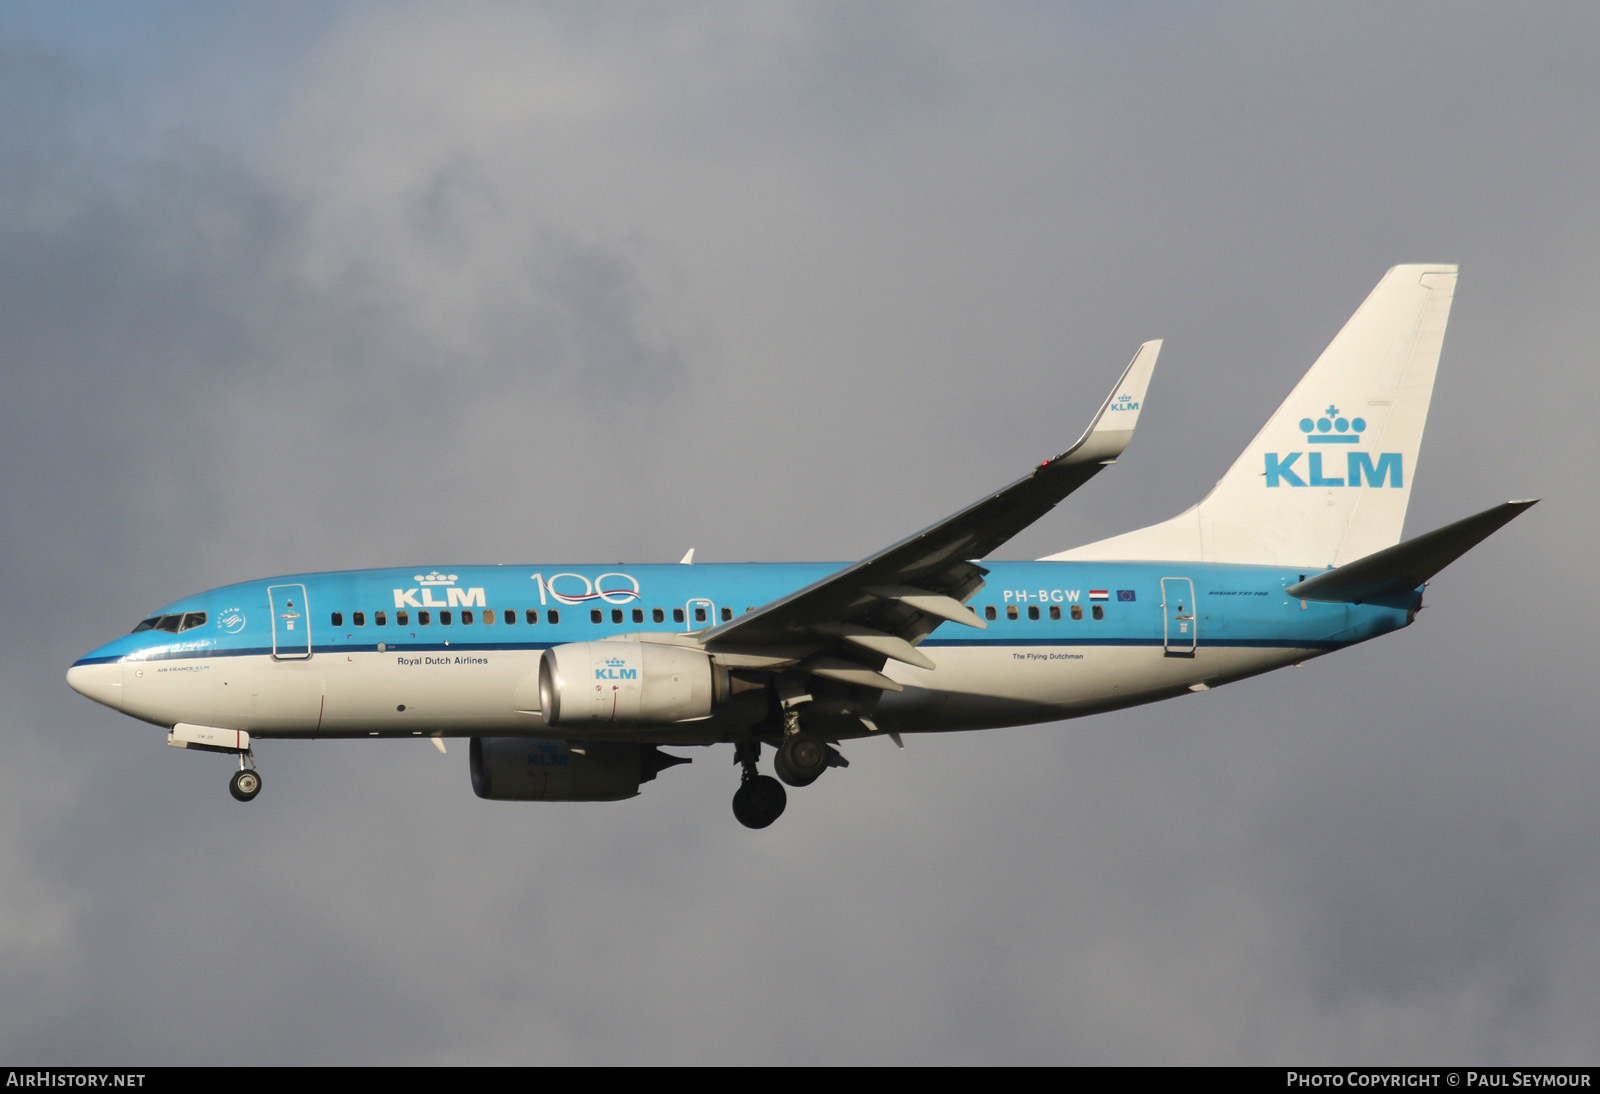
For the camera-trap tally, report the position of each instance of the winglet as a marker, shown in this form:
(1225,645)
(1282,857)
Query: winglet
(1112,427)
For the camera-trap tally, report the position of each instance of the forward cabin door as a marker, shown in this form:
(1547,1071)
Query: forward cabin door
(291,623)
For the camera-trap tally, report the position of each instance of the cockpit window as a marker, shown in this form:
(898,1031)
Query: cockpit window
(172,624)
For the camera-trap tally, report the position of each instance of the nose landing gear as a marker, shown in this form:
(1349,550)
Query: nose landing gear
(246,782)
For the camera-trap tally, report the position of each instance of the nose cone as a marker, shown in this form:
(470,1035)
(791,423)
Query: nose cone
(102,683)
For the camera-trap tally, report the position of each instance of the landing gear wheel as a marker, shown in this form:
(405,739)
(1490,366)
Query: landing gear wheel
(759,801)
(244,785)
(801,759)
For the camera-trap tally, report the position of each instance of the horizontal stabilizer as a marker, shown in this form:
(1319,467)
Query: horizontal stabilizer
(1397,570)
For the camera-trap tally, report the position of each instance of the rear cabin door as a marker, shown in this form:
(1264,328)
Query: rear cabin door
(1177,610)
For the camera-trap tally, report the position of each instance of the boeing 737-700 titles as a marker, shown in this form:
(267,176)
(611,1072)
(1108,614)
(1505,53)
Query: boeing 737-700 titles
(570,679)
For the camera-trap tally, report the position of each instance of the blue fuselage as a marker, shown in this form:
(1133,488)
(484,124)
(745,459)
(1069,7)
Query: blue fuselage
(454,650)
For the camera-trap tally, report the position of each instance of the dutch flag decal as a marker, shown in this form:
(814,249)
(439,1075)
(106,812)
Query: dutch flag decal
(1099,594)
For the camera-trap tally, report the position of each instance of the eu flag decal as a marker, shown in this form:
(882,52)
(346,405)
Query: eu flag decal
(1125,596)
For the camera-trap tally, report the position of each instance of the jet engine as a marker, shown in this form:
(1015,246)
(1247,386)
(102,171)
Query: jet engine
(600,684)
(524,769)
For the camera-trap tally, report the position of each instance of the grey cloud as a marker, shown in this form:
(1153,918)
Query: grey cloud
(791,282)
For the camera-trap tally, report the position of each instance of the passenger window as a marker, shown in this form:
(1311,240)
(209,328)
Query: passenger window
(444,618)
(380,619)
(466,616)
(338,619)
(1099,612)
(1033,612)
(552,617)
(532,616)
(1055,611)
(616,615)
(488,616)
(1011,611)
(594,615)
(511,616)
(677,615)
(638,615)
(359,618)
(657,615)
(423,619)
(989,613)
(727,614)
(699,615)
(402,618)
(1077,611)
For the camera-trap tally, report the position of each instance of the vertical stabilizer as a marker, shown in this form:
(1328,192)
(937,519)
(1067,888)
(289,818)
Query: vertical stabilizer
(1328,477)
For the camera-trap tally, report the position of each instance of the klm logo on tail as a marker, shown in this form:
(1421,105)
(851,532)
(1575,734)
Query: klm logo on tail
(1358,469)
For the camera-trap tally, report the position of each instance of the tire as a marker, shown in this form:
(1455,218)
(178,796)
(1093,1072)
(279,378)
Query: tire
(801,760)
(244,785)
(759,801)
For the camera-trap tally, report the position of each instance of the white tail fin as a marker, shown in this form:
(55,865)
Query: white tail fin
(1328,477)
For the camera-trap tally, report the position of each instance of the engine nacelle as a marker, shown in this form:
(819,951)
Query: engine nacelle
(600,684)
(523,769)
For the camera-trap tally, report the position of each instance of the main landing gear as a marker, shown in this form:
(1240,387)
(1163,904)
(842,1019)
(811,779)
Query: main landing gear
(799,760)
(760,799)
(246,782)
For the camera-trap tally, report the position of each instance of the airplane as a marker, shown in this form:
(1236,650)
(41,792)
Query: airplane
(570,679)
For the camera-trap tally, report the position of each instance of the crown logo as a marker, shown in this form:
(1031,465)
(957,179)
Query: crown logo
(1332,429)
(615,662)
(434,577)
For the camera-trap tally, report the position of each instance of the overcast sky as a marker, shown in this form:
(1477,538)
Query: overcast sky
(325,286)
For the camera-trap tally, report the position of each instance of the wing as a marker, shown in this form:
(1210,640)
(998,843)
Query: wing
(845,626)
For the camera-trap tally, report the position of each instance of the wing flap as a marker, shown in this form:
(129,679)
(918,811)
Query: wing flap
(886,645)
(929,603)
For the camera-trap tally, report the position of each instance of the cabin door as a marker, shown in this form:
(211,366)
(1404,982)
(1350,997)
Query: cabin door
(699,612)
(1177,610)
(291,623)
